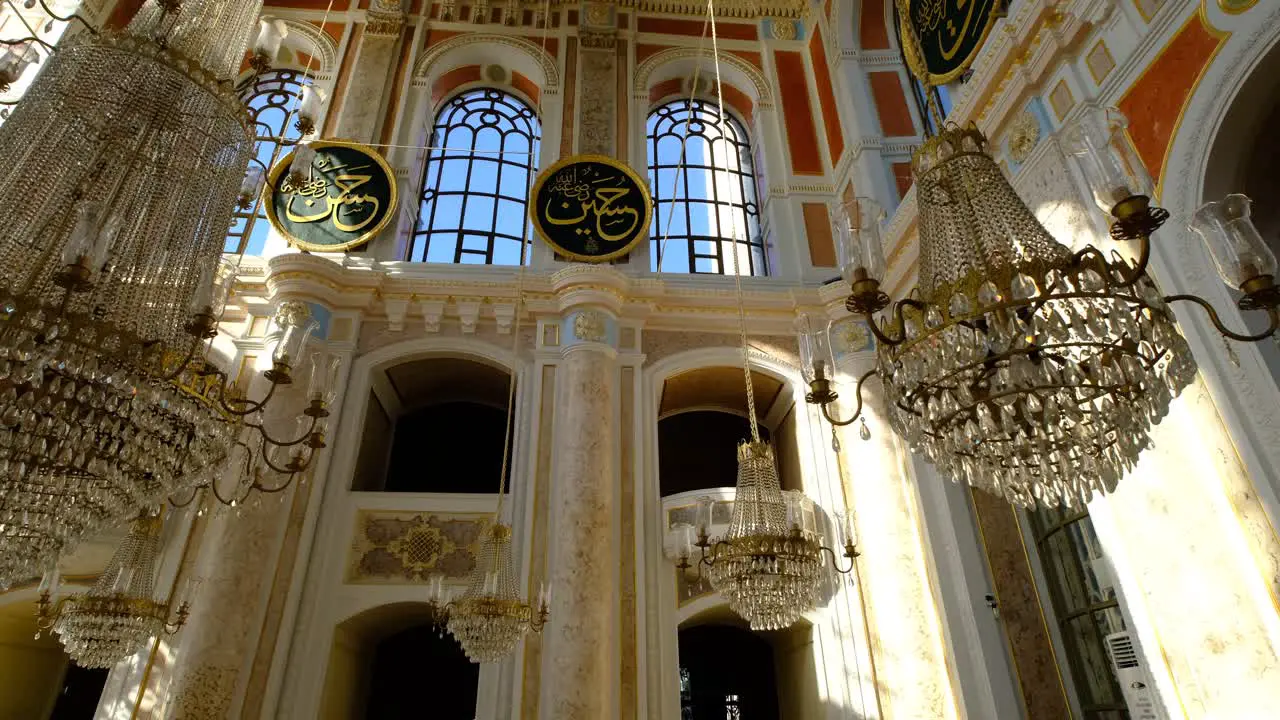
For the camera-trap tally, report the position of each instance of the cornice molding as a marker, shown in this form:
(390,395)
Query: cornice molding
(403,294)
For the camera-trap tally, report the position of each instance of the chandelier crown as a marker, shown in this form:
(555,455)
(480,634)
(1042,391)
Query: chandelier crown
(973,226)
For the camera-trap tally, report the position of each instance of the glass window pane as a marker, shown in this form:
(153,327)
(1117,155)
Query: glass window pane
(718,177)
(491,141)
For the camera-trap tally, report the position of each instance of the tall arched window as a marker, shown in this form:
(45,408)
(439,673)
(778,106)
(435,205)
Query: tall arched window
(272,97)
(476,182)
(709,207)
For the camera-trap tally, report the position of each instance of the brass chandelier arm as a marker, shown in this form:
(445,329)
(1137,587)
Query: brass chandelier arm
(279,443)
(1273,312)
(850,552)
(186,361)
(857,412)
(1130,276)
(180,618)
(898,321)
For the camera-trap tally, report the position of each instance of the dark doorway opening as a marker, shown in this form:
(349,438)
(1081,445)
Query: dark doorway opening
(81,690)
(726,672)
(416,674)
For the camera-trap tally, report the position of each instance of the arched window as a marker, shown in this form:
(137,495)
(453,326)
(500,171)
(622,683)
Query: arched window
(476,182)
(272,98)
(709,207)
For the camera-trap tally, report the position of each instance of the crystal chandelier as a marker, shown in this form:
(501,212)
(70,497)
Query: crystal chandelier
(117,617)
(769,563)
(489,619)
(1017,365)
(121,169)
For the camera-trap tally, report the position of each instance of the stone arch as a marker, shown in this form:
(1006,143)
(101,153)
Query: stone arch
(519,54)
(309,39)
(1245,392)
(681,62)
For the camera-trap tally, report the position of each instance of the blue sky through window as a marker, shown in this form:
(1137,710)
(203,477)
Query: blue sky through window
(704,195)
(476,184)
(271,97)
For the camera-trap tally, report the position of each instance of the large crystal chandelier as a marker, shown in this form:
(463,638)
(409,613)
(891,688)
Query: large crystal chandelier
(1017,365)
(115,618)
(121,167)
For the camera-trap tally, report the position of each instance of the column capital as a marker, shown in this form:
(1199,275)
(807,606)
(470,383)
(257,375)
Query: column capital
(581,285)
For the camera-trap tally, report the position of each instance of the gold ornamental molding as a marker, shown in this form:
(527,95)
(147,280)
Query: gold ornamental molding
(745,9)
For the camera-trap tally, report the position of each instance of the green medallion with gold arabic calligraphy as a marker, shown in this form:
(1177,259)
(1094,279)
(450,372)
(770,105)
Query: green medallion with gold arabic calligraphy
(590,208)
(349,195)
(951,34)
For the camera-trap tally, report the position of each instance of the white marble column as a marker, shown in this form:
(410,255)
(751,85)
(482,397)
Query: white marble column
(580,662)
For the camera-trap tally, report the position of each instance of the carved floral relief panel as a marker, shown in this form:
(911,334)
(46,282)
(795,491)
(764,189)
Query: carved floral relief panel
(396,547)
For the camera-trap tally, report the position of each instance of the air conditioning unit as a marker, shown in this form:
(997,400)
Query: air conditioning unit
(1135,681)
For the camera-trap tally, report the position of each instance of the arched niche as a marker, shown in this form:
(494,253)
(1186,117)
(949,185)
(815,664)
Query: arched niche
(393,661)
(434,424)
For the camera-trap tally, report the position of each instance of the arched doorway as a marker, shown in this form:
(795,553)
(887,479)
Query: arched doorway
(1242,159)
(726,672)
(420,672)
(393,662)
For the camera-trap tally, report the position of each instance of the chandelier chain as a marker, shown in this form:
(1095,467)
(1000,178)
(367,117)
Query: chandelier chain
(737,273)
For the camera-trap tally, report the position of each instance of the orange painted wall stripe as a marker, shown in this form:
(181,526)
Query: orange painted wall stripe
(526,86)
(902,177)
(344,79)
(452,80)
(802,136)
(826,96)
(891,104)
(1154,103)
(397,86)
(570,96)
(873,30)
(817,228)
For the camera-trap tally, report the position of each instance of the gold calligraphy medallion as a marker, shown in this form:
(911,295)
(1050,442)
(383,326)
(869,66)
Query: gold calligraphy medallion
(590,208)
(347,197)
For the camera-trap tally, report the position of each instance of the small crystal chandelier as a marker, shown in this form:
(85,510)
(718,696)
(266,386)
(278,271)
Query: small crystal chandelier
(1017,365)
(489,619)
(769,563)
(117,203)
(117,617)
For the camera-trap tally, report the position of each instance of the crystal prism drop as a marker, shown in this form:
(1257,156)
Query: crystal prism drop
(989,294)
(1023,287)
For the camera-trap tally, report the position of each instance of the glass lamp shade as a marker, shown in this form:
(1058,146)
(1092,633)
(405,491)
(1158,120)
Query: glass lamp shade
(1237,248)
(1097,141)
(300,165)
(271,35)
(857,234)
(815,347)
(310,105)
(214,288)
(293,340)
(251,188)
(85,234)
(14,61)
(702,514)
